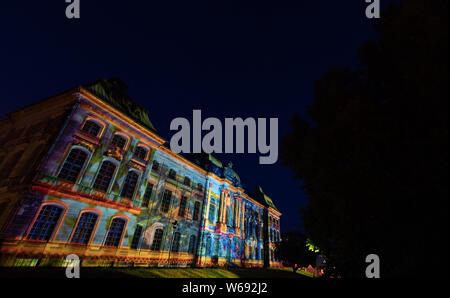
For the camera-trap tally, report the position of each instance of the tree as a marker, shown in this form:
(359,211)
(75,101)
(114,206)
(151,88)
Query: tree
(293,250)
(374,158)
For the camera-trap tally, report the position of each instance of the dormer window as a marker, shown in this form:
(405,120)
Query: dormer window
(91,128)
(119,141)
(141,152)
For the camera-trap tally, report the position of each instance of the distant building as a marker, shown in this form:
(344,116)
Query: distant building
(84,172)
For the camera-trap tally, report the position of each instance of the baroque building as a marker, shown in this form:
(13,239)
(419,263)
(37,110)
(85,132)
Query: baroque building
(85,173)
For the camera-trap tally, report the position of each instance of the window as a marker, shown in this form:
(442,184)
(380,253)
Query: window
(187,181)
(91,128)
(200,187)
(212,213)
(104,176)
(141,153)
(192,244)
(45,223)
(147,195)
(157,239)
(196,210)
(172,174)
(183,204)
(208,246)
(136,237)
(85,227)
(165,204)
(119,141)
(129,185)
(155,166)
(115,232)
(73,164)
(176,242)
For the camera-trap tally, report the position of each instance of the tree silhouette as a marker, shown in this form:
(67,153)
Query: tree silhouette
(293,251)
(374,158)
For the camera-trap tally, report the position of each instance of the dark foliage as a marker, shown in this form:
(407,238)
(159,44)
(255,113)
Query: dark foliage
(292,251)
(374,161)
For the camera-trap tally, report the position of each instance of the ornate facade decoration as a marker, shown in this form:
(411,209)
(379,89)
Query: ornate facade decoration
(117,205)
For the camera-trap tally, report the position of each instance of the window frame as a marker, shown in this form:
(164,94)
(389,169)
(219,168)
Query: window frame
(83,167)
(124,230)
(163,200)
(144,147)
(194,213)
(136,187)
(94,230)
(160,241)
(100,123)
(113,177)
(124,136)
(138,242)
(55,231)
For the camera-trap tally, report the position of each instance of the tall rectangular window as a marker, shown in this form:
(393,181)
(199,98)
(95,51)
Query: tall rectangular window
(130,185)
(183,204)
(147,196)
(196,211)
(212,213)
(192,244)
(136,237)
(176,242)
(165,204)
(157,239)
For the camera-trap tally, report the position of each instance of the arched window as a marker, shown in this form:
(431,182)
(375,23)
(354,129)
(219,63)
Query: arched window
(115,232)
(91,128)
(136,237)
(130,185)
(196,210)
(85,227)
(73,165)
(104,176)
(141,152)
(45,223)
(176,242)
(119,141)
(157,239)
(192,244)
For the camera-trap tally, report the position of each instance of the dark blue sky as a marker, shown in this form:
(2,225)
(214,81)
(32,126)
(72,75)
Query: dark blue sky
(229,59)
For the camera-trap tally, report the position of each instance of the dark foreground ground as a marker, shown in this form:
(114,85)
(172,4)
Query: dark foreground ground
(26,272)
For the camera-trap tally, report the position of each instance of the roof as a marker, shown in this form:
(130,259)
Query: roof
(114,93)
(259,196)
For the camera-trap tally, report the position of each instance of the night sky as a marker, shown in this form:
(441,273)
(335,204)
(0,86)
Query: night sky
(229,59)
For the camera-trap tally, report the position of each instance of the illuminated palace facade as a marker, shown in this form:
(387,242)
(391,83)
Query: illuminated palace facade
(85,173)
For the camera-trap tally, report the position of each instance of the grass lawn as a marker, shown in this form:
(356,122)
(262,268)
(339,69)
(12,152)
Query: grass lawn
(154,273)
